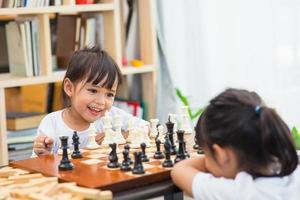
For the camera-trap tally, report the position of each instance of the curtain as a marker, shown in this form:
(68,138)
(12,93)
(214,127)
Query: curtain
(207,46)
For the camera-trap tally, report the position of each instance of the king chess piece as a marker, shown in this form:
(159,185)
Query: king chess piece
(158,154)
(167,162)
(113,157)
(126,162)
(181,153)
(65,163)
(76,152)
(170,133)
(138,165)
(144,156)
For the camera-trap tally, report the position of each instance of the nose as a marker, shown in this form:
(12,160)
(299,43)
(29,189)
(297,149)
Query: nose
(100,100)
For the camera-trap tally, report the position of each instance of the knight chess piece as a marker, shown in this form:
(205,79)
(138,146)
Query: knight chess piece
(167,162)
(126,162)
(76,152)
(113,157)
(138,164)
(158,154)
(127,147)
(181,153)
(144,156)
(170,133)
(65,163)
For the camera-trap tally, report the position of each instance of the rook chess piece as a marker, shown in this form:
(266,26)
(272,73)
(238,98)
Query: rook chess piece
(138,165)
(113,158)
(144,156)
(181,153)
(158,154)
(76,152)
(65,163)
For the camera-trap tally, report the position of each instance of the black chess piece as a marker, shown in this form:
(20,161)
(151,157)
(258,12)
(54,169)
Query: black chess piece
(113,158)
(157,135)
(127,147)
(167,162)
(138,164)
(65,163)
(76,152)
(181,153)
(185,151)
(144,156)
(126,162)
(158,154)
(200,150)
(170,133)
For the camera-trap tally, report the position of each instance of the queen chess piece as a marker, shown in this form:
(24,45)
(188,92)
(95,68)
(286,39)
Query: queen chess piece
(65,164)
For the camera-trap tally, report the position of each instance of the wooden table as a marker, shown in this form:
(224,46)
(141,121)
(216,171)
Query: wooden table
(124,185)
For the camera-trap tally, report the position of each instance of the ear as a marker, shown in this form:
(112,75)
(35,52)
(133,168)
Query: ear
(221,154)
(69,87)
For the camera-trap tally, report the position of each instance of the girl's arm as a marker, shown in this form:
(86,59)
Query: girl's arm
(184,171)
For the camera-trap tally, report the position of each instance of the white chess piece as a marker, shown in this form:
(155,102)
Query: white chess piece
(136,138)
(161,136)
(130,130)
(153,130)
(107,127)
(185,123)
(117,135)
(146,138)
(92,144)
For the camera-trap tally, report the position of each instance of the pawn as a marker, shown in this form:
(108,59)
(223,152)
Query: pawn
(113,158)
(76,153)
(144,156)
(127,147)
(158,154)
(126,162)
(65,163)
(167,162)
(138,165)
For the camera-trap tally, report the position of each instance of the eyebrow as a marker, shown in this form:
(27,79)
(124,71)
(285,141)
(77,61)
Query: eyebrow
(97,86)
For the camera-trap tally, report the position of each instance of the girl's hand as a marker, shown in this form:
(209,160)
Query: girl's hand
(42,145)
(99,138)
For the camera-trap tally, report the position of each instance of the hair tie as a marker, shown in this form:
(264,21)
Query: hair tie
(257,110)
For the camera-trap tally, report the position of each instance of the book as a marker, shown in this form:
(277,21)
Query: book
(23,120)
(3,50)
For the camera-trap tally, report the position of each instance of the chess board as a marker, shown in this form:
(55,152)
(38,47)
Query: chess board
(91,170)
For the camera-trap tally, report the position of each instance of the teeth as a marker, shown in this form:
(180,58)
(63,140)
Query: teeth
(95,109)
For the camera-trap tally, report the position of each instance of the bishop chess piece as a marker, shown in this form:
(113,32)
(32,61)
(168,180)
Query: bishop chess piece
(76,152)
(127,147)
(113,157)
(65,163)
(144,156)
(181,153)
(158,154)
(170,133)
(126,162)
(167,162)
(138,165)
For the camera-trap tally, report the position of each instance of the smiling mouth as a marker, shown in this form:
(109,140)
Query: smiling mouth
(95,110)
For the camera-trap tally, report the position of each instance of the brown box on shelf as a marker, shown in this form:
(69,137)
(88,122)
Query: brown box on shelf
(23,120)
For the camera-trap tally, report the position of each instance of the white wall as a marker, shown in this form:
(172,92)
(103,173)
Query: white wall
(253,44)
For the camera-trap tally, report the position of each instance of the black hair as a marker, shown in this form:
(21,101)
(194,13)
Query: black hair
(258,136)
(93,65)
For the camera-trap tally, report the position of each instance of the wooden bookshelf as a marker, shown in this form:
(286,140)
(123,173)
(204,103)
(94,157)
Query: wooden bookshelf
(110,9)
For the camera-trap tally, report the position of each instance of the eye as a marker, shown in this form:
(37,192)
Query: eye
(110,94)
(92,91)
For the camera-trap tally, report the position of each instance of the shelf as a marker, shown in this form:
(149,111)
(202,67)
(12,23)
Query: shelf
(57,9)
(7,80)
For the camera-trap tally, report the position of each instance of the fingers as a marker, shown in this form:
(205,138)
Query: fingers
(42,145)
(99,138)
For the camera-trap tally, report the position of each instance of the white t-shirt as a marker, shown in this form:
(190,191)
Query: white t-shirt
(206,186)
(53,126)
